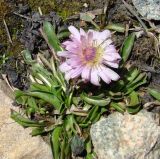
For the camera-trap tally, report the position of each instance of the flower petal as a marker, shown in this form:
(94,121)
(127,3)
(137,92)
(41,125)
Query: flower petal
(64,67)
(111,64)
(84,42)
(73,62)
(86,73)
(73,73)
(105,34)
(103,75)
(90,37)
(94,77)
(82,32)
(74,32)
(63,54)
(113,75)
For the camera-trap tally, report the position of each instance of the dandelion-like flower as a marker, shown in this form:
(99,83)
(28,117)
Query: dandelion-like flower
(90,55)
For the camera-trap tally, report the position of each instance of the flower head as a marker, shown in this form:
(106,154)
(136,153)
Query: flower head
(90,55)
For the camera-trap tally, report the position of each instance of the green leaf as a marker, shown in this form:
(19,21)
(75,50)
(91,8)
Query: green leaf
(70,123)
(134,104)
(63,35)
(93,113)
(27,57)
(95,100)
(32,103)
(37,131)
(63,148)
(19,97)
(89,156)
(117,107)
(88,146)
(155,93)
(52,39)
(88,17)
(24,121)
(116,27)
(40,87)
(50,98)
(134,85)
(133,74)
(55,140)
(137,79)
(133,110)
(134,99)
(127,47)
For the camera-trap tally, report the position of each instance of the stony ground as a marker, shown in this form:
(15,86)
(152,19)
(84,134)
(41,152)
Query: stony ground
(15,141)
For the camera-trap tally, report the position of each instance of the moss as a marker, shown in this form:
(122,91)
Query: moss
(64,8)
(45,5)
(68,8)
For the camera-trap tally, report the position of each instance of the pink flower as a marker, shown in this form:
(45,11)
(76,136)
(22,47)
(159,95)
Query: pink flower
(90,55)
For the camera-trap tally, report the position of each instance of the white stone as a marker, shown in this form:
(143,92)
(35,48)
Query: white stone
(15,141)
(126,137)
(149,9)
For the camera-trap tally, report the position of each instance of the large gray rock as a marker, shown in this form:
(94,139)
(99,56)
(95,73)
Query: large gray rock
(149,9)
(126,137)
(15,141)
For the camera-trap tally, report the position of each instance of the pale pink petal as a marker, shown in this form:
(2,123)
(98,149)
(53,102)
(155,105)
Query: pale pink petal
(64,67)
(105,34)
(73,73)
(74,32)
(77,72)
(84,41)
(63,54)
(113,75)
(86,73)
(82,32)
(68,43)
(94,77)
(105,43)
(96,35)
(103,75)
(111,64)
(71,48)
(73,62)
(110,48)
(90,37)
(111,56)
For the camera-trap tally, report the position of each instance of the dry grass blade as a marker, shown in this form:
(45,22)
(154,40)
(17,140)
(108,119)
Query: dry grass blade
(7,30)
(135,14)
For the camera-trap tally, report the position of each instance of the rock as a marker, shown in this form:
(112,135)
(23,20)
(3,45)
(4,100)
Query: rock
(126,137)
(149,9)
(15,141)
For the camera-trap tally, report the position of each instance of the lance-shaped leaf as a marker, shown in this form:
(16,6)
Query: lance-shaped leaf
(134,103)
(27,57)
(154,93)
(117,107)
(95,100)
(50,98)
(116,27)
(55,141)
(51,36)
(24,121)
(88,17)
(127,47)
